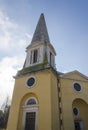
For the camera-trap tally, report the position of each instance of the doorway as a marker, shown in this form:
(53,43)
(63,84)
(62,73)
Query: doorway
(78,125)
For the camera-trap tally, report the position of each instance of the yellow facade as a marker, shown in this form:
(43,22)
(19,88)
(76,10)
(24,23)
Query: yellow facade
(43,91)
(55,101)
(72,98)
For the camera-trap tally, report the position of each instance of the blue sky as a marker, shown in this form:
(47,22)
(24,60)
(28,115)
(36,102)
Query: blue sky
(67,23)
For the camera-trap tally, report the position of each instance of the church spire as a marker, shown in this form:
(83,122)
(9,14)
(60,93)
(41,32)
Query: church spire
(40,53)
(41,33)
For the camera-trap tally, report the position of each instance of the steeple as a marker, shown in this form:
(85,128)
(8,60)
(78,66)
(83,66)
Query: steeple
(41,33)
(40,53)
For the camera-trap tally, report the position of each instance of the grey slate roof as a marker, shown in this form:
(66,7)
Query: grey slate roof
(41,33)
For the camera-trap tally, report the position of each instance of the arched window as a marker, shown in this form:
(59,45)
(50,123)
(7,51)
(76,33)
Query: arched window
(30,114)
(31,101)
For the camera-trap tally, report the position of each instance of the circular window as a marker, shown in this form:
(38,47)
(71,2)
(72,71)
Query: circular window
(30,81)
(75,111)
(77,87)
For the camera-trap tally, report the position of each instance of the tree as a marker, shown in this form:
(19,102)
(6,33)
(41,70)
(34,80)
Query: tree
(1,119)
(4,113)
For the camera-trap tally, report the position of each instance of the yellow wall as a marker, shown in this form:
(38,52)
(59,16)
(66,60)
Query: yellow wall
(82,107)
(55,102)
(68,95)
(47,94)
(44,91)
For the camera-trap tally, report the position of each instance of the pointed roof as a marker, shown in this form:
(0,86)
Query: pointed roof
(41,33)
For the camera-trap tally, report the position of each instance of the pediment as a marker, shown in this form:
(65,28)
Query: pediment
(75,75)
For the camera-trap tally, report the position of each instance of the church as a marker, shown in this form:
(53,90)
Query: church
(44,98)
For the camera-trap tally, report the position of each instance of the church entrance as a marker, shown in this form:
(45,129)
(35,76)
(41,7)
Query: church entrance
(78,125)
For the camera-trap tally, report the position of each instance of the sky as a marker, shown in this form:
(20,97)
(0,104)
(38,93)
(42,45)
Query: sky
(67,24)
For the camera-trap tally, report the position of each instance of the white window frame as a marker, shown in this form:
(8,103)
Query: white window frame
(32,56)
(30,108)
(51,59)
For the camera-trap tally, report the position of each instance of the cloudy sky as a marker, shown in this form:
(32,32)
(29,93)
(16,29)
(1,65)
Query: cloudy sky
(67,23)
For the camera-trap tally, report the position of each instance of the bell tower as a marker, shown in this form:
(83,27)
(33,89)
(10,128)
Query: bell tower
(35,96)
(40,51)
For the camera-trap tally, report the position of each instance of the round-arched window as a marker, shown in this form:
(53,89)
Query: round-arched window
(31,101)
(75,111)
(30,114)
(77,87)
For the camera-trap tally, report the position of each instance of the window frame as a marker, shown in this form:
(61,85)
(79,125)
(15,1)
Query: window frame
(27,81)
(80,123)
(33,58)
(30,109)
(30,99)
(75,89)
(77,110)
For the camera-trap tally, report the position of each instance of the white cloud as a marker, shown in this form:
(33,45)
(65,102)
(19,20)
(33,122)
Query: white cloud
(5,22)
(6,29)
(22,42)
(28,36)
(4,41)
(12,39)
(8,69)
(11,34)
